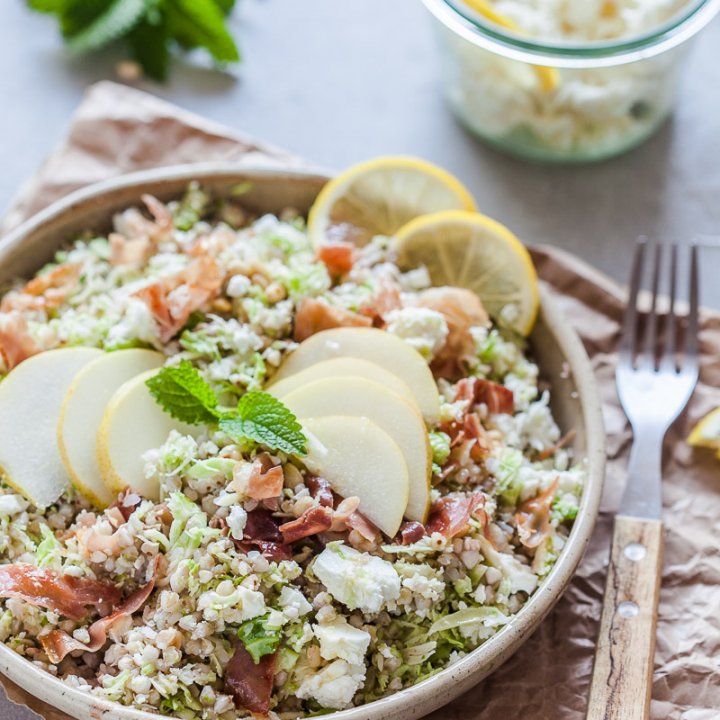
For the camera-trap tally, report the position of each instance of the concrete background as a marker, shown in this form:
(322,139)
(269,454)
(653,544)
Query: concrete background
(338,82)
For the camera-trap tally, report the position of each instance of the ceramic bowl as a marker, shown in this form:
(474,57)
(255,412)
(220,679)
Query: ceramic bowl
(556,347)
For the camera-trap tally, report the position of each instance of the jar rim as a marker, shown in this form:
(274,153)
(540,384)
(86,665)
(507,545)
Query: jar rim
(462,20)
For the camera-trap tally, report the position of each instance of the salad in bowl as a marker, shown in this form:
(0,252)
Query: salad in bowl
(254,464)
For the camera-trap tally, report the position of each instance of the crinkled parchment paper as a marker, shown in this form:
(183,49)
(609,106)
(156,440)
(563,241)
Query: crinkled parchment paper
(118,129)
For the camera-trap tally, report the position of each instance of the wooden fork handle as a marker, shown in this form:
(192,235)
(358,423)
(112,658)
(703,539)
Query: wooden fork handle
(622,674)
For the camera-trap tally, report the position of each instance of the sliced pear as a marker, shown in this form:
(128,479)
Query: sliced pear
(377,346)
(342,367)
(82,411)
(398,418)
(30,400)
(359,459)
(132,424)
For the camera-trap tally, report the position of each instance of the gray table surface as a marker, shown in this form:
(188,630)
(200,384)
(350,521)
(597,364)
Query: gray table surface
(338,82)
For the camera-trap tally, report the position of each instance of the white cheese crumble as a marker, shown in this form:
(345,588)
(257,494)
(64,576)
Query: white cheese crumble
(424,329)
(340,640)
(335,685)
(358,580)
(293,603)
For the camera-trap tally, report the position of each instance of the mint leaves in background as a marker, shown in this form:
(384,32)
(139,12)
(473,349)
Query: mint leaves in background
(183,393)
(151,28)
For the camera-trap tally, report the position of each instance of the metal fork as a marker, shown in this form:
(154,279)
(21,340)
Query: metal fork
(654,383)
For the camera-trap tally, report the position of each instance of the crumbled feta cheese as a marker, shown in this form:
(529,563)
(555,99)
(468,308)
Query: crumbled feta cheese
(293,601)
(424,329)
(12,504)
(339,639)
(249,603)
(358,580)
(238,285)
(334,686)
(236,521)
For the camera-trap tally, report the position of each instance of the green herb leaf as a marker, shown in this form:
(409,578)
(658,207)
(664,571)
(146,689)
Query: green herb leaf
(48,6)
(264,419)
(149,43)
(151,27)
(182,392)
(201,24)
(258,639)
(119,18)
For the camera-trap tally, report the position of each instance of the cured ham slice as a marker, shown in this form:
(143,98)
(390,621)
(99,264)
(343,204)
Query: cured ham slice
(450,516)
(312,316)
(337,256)
(57,643)
(173,299)
(63,594)
(313,521)
(250,684)
(533,517)
(16,343)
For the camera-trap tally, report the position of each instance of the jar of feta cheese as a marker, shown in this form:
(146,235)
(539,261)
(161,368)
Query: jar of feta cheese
(576,81)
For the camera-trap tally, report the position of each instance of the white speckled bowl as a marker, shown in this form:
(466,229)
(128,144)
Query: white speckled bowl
(575,404)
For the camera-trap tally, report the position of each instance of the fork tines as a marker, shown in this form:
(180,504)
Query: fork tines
(653,348)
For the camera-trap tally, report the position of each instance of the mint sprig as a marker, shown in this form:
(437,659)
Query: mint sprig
(183,393)
(152,27)
(264,419)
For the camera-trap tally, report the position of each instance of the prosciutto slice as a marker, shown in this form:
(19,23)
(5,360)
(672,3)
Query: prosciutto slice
(265,484)
(498,398)
(57,643)
(173,299)
(321,490)
(63,594)
(262,533)
(410,532)
(533,517)
(450,516)
(337,256)
(462,310)
(16,343)
(313,521)
(250,684)
(312,316)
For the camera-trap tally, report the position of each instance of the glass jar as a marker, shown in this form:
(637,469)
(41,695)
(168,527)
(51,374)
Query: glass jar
(561,101)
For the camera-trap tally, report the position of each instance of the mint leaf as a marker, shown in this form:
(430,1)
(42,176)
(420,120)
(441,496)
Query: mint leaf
(182,392)
(201,24)
(258,639)
(149,43)
(117,20)
(47,6)
(265,420)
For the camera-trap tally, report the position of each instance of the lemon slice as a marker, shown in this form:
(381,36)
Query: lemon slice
(707,432)
(470,250)
(380,196)
(548,77)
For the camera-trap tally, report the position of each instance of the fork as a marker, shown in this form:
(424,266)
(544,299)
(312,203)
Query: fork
(654,385)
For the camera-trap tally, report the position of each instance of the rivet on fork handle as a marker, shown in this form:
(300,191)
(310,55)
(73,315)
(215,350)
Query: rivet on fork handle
(622,676)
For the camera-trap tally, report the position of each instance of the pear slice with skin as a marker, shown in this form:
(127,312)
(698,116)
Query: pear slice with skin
(400,420)
(342,367)
(132,424)
(359,459)
(30,400)
(82,411)
(378,346)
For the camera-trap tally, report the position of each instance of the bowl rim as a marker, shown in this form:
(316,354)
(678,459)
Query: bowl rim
(492,652)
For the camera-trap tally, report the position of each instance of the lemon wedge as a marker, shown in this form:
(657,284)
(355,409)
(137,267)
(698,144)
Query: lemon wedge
(469,250)
(706,433)
(548,77)
(380,196)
